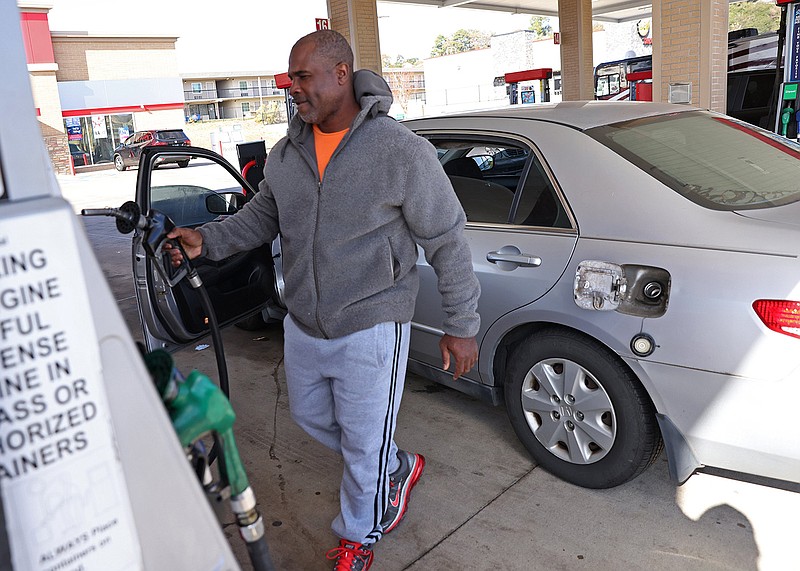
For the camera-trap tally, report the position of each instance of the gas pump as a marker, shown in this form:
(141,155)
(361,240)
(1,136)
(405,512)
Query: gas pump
(788,111)
(640,84)
(252,158)
(282,81)
(513,79)
(92,474)
(787,120)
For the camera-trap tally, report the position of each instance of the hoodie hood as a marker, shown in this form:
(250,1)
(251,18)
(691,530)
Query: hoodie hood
(372,93)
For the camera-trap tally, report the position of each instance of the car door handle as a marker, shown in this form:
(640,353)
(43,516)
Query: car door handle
(520,259)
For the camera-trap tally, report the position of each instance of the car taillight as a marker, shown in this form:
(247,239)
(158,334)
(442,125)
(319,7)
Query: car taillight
(188,143)
(779,315)
(159,144)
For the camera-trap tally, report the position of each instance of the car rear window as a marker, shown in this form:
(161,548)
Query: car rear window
(713,160)
(171,135)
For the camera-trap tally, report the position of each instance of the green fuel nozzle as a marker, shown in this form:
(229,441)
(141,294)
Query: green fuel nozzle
(198,407)
(786,116)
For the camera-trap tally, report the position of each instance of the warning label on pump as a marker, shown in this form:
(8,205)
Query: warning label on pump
(64,494)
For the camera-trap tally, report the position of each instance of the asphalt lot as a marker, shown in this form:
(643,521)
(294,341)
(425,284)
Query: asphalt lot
(481,503)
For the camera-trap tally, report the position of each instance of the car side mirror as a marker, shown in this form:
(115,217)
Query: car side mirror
(225,202)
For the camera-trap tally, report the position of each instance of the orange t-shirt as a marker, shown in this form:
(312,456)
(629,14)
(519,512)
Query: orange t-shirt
(324,145)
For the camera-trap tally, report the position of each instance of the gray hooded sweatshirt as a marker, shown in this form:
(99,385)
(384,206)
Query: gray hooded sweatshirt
(349,241)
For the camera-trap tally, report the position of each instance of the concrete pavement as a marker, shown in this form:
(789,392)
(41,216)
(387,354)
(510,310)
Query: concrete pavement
(481,503)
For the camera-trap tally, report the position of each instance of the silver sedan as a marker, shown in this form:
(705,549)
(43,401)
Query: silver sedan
(640,285)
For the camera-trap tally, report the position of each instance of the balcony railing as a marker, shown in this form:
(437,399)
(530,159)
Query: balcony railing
(238,92)
(202,94)
(231,93)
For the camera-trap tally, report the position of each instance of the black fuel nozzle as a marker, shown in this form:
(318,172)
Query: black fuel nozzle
(159,225)
(155,226)
(128,216)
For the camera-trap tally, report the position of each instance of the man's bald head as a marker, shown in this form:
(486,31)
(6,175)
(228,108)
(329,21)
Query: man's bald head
(331,46)
(321,70)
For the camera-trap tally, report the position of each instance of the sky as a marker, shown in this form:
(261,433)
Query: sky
(256,35)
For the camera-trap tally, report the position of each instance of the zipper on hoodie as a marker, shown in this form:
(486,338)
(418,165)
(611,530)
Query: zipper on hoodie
(314,260)
(316,228)
(312,168)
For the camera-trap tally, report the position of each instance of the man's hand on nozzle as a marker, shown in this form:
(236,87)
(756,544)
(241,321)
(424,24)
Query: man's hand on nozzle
(464,350)
(191,242)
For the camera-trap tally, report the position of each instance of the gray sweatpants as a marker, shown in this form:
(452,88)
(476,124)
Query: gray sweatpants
(345,393)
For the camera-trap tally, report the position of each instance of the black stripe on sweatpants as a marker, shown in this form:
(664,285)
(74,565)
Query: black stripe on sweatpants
(388,429)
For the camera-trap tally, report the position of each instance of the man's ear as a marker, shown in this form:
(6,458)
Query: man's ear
(343,73)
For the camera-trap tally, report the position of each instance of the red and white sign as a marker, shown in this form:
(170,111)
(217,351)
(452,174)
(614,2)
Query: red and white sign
(556,38)
(323,24)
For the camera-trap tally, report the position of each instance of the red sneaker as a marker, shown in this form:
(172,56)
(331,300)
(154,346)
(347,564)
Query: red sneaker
(351,556)
(400,485)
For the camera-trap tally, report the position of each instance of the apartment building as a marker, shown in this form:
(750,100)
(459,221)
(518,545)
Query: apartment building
(223,95)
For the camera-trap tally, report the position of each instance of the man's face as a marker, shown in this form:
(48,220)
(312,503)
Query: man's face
(316,84)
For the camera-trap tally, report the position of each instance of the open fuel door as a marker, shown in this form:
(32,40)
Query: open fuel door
(241,286)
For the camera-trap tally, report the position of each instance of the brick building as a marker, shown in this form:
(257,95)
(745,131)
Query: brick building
(92,91)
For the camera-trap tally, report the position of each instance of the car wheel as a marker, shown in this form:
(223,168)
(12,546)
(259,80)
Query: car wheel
(580,412)
(183,164)
(119,164)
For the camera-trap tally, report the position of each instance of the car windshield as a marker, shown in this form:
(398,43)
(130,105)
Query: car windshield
(171,135)
(713,160)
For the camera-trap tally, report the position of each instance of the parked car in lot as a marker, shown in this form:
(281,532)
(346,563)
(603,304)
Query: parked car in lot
(127,153)
(640,284)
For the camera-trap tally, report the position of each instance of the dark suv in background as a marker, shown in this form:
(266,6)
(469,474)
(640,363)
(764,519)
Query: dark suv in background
(127,153)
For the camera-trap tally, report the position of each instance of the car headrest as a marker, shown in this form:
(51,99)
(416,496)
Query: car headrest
(464,166)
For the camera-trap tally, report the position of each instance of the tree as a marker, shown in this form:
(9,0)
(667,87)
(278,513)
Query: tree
(404,84)
(400,61)
(461,41)
(269,113)
(764,16)
(541,26)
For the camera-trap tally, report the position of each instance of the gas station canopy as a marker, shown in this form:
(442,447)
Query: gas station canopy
(602,10)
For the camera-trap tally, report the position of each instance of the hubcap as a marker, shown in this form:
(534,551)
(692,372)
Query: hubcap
(569,411)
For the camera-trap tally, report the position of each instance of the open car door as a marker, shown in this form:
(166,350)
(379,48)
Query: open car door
(245,285)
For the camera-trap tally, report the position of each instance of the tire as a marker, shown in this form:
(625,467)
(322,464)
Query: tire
(119,164)
(553,377)
(183,164)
